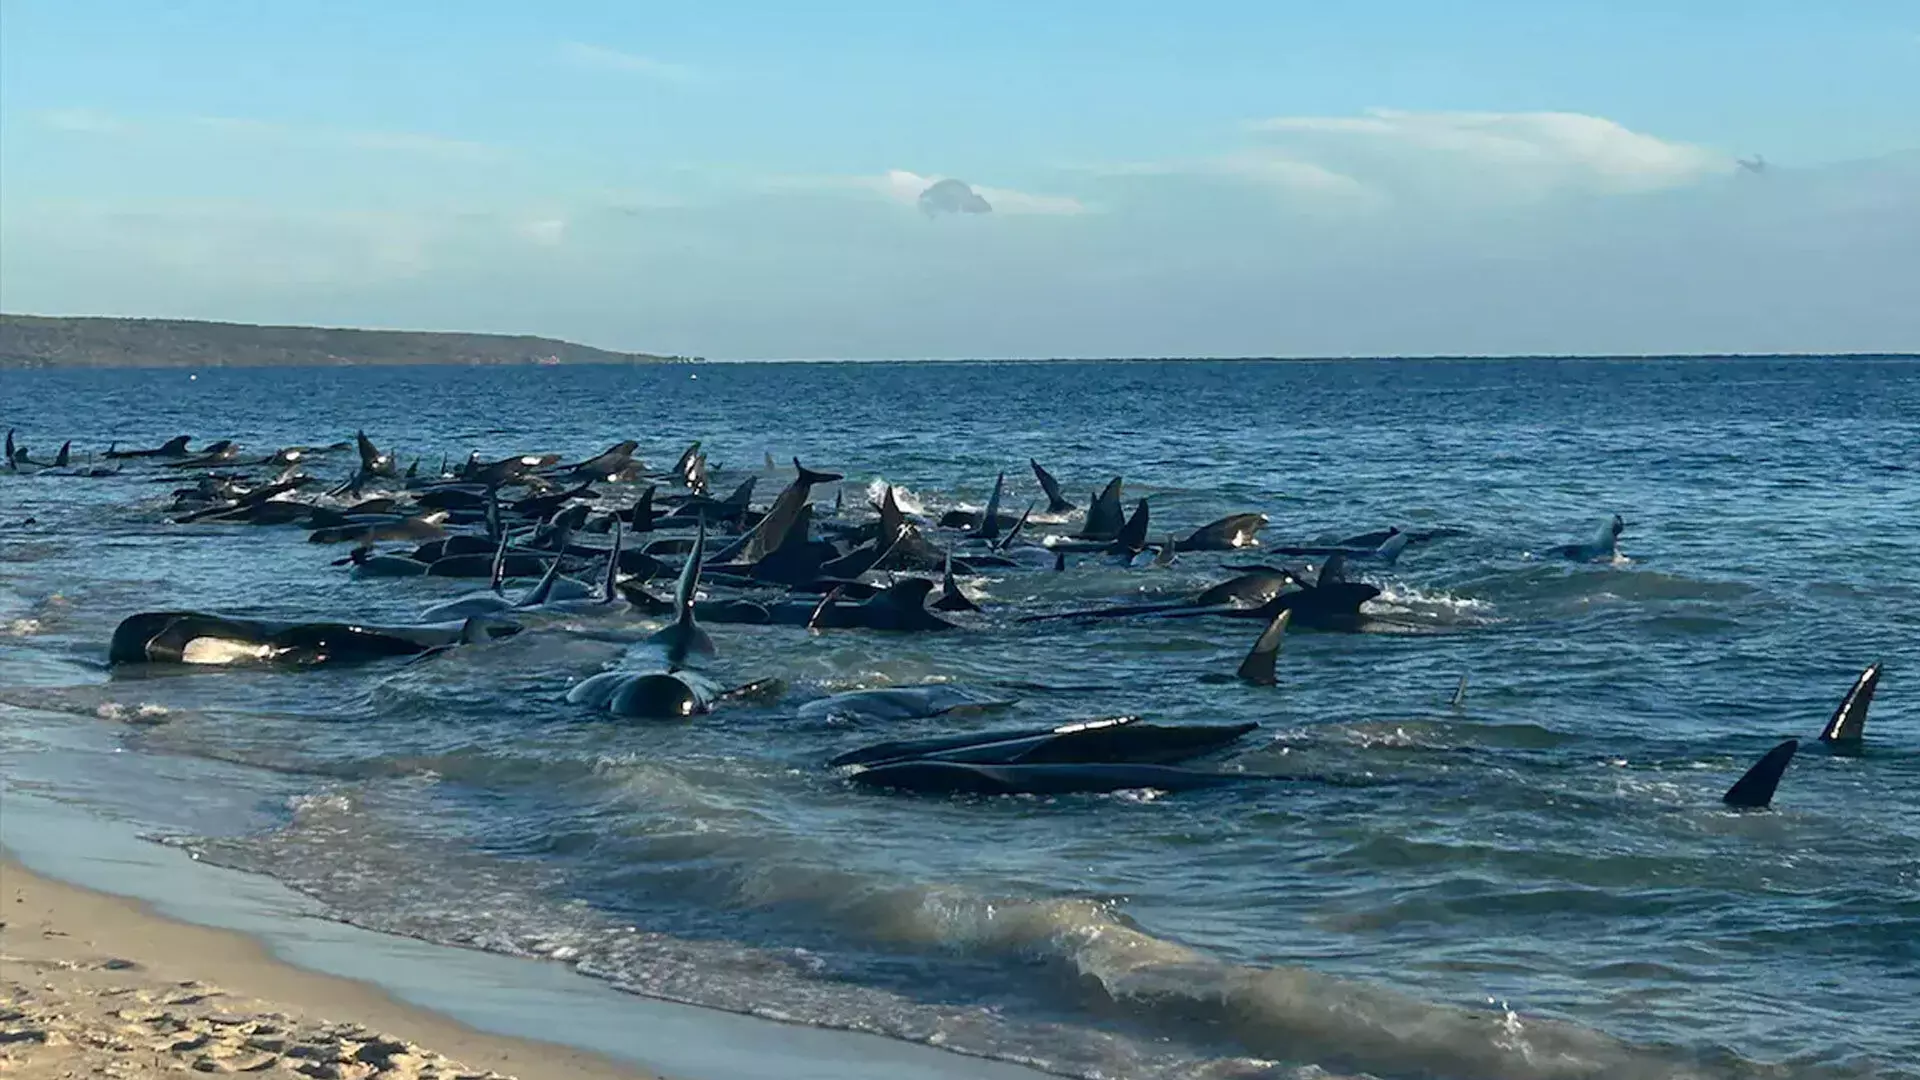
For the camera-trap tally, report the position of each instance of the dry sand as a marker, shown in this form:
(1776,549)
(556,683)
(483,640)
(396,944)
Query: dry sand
(96,986)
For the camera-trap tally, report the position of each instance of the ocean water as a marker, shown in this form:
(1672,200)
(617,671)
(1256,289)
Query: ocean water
(1540,883)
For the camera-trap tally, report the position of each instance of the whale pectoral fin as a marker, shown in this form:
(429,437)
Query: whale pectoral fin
(1257,668)
(759,689)
(1754,791)
(1849,722)
(1459,693)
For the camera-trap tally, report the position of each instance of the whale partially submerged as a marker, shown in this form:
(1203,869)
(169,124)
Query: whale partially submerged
(201,638)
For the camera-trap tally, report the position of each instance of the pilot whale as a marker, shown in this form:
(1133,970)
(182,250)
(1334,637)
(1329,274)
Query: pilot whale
(192,637)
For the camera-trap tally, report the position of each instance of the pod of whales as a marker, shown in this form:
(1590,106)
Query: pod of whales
(838,566)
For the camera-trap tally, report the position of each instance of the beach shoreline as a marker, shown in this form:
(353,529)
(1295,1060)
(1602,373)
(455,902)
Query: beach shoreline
(96,985)
(108,893)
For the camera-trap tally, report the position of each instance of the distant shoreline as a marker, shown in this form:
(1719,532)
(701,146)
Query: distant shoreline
(43,341)
(90,342)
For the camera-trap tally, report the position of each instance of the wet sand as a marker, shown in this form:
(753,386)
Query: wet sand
(96,986)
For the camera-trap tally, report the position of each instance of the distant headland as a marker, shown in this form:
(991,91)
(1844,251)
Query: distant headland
(89,342)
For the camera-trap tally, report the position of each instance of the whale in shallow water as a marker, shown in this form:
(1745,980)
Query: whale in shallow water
(1117,740)
(1230,533)
(1604,547)
(192,637)
(172,448)
(659,695)
(959,778)
(897,703)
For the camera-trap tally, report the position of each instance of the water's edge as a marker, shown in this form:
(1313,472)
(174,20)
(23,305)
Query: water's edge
(502,995)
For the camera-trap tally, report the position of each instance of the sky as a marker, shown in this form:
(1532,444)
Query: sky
(981,179)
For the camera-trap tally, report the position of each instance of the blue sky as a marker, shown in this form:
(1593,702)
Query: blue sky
(744,180)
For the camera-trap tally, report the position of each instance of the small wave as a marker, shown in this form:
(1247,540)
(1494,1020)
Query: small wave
(143,713)
(908,500)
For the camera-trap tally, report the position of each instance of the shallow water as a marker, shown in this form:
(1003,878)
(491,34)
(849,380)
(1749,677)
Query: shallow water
(1540,884)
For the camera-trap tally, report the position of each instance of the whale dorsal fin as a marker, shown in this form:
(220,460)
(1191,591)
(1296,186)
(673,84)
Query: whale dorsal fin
(1459,693)
(1168,552)
(1332,572)
(1257,668)
(743,494)
(540,593)
(1133,535)
(684,637)
(1014,533)
(643,512)
(1849,722)
(1754,791)
(65,455)
(498,575)
(893,521)
(819,609)
(613,567)
(990,521)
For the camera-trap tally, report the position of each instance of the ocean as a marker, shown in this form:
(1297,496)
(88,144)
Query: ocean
(1538,883)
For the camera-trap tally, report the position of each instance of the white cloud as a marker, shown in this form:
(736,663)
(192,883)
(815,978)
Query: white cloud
(390,142)
(547,232)
(92,122)
(1537,150)
(601,58)
(905,188)
(88,121)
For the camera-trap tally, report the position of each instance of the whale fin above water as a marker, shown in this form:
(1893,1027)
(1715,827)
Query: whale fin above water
(1132,538)
(951,598)
(612,588)
(1013,534)
(1754,790)
(683,637)
(643,515)
(1848,727)
(61,459)
(1169,552)
(990,521)
(1105,518)
(1459,693)
(810,477)
(1257,668)
(1332,572)
(1056,502)
(1389,550)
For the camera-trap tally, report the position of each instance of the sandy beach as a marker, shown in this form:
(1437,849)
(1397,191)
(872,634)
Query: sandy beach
(95,986)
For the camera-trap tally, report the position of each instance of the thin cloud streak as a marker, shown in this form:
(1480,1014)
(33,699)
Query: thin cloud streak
(600,58)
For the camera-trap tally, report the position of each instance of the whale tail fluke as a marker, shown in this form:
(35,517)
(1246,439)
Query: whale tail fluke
(1848,727)
(1389,550)
(1056,502)
(1754,791)
(812,476)
(1257,668)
